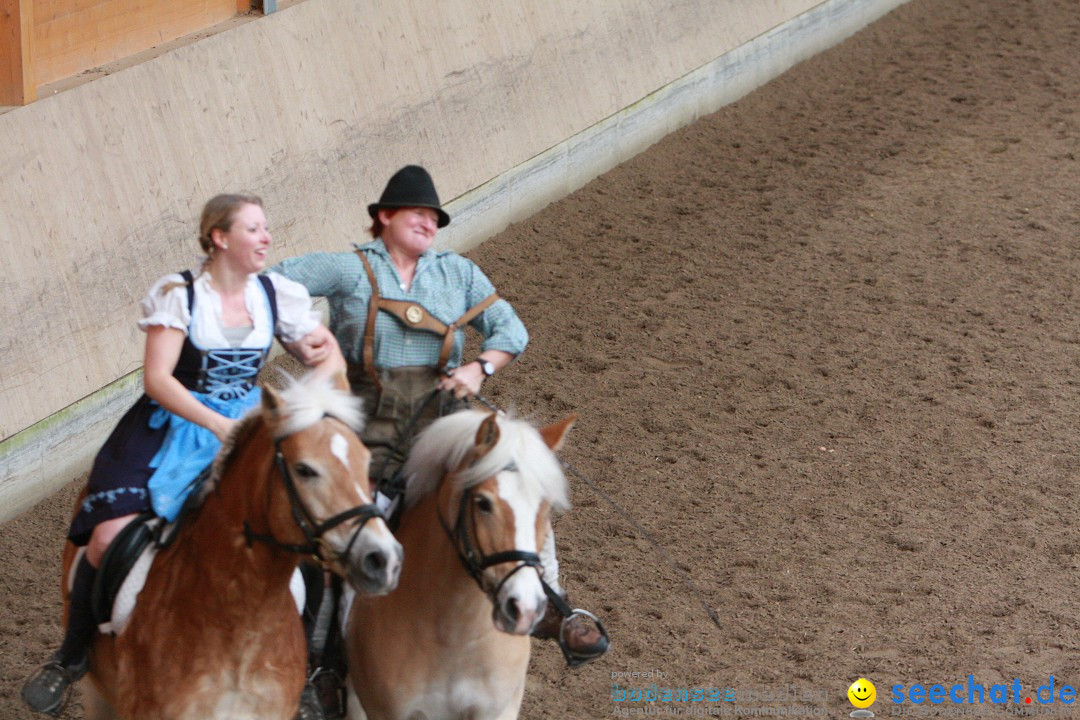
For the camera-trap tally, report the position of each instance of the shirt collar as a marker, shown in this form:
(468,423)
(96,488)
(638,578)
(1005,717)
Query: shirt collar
(379,247)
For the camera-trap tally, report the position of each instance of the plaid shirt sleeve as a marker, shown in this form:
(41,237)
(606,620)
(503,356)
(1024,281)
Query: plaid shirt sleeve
(499,325)
(323,274)
(446,284)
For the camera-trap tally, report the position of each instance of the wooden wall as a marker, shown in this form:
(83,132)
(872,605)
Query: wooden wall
(57,39)
(16,62)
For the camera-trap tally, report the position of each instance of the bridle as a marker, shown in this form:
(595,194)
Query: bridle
(473,559)
(476,562)
(476,565)
(313,530)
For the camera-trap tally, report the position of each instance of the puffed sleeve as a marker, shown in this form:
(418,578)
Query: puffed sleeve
(296,317)
(166,304)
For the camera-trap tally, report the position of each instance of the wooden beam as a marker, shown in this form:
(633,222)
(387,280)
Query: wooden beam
(17,85)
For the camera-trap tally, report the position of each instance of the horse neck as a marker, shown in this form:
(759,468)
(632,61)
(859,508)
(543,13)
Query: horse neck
(431,561)
(216,542)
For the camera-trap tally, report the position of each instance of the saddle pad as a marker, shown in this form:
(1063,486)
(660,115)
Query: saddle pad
(124,603)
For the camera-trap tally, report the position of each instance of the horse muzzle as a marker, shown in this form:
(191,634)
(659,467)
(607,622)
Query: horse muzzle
(373,564)
(519,604)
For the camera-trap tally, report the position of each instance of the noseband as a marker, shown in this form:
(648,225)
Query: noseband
(312,529)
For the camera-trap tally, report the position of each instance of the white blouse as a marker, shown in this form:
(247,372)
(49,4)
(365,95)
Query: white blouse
(296,318)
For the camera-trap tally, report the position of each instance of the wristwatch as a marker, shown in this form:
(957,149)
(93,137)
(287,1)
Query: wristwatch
(487,366)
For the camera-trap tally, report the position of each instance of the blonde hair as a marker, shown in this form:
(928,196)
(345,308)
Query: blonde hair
(218,214)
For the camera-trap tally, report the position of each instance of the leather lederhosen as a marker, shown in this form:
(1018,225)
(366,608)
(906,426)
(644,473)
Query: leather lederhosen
(393,396)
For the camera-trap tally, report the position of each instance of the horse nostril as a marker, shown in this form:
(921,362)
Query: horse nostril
(511,610)
(374,562)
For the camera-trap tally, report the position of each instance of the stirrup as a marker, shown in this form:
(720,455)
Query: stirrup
(329,688)
(310,706)
(573,659)
(48,689)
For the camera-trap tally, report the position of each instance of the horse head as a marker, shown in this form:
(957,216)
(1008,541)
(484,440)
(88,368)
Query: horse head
(502,480)
(325,506)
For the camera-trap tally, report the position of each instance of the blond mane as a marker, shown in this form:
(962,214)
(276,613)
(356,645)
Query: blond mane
(444,445)
(304,402)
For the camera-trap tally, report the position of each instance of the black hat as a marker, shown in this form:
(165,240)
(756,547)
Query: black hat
(411,186)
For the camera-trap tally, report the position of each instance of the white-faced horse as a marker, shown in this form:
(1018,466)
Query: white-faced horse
(215,632)
(453,640)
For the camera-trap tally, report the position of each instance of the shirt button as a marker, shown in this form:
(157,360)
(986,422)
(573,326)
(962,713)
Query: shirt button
(402,286)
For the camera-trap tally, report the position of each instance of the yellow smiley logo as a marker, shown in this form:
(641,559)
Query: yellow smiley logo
(862,693)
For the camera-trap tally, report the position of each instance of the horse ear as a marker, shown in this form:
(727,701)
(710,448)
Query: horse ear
(341,381)
(554,435)
(487,437)
(271,400)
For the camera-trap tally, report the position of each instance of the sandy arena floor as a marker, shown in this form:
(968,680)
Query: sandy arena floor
(822,344)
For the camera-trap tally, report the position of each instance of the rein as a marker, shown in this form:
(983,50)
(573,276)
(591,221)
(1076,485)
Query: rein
(312,529)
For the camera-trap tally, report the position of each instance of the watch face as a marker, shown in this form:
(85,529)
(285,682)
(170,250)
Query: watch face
(487,367)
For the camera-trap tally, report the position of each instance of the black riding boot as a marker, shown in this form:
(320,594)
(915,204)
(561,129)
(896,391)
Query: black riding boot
(310,706)
(46,691)
(323,697)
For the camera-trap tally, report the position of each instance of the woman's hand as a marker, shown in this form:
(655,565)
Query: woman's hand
(223,427)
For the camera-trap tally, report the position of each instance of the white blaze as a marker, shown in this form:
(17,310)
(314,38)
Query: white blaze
(340,447)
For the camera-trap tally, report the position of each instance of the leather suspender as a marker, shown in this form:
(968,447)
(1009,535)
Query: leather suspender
(414,316)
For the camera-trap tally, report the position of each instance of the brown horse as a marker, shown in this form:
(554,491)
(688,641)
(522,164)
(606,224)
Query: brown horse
(453,640)
(216,632)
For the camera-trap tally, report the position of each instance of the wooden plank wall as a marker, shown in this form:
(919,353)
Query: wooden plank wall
(16,61)
(74,35)
(42,41)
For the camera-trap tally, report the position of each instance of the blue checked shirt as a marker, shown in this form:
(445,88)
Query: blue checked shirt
(445,284)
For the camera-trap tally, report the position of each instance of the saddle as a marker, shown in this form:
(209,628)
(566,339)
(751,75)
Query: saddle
(139,540)
(127,561)
(120,557)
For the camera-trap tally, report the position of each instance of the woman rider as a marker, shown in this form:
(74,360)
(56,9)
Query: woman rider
(398,310)
(207,335)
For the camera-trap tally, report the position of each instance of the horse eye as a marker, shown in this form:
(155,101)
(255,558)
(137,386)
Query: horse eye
(484,504)
(305,471)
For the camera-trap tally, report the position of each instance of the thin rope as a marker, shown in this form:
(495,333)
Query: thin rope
(683,575)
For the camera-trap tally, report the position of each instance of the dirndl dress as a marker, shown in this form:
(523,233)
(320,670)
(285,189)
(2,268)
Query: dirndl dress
(152,457)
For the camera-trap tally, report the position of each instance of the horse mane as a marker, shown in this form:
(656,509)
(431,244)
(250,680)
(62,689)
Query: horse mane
(444,445)
(304,402)
(307,401)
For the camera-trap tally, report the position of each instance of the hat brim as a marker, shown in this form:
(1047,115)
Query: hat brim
(374,208)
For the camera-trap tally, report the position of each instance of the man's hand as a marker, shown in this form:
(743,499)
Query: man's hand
(464,381)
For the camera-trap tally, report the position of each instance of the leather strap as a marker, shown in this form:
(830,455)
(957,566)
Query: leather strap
(412,315)
(369,329)
(448,338)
